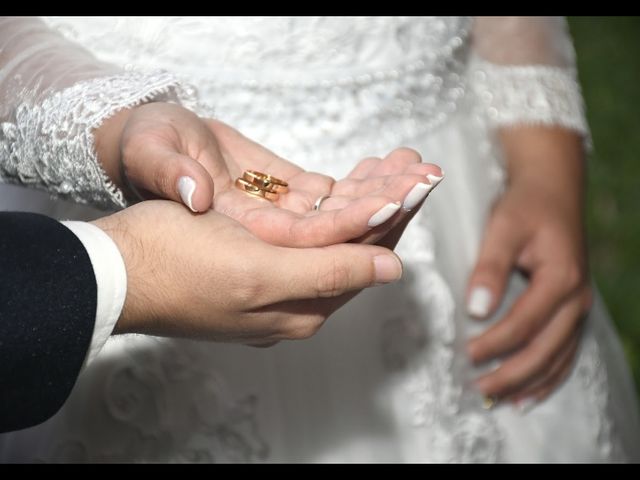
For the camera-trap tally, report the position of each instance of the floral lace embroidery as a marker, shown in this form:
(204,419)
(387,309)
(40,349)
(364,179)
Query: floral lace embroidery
(592,373)
(50,144)
(371,85)
(418,343)
(162,406)
(529,94)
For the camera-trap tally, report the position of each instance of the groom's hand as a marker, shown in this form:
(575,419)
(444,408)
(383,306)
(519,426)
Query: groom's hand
(207,277)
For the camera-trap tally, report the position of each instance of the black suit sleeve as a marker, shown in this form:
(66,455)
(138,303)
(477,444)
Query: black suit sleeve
(48,300)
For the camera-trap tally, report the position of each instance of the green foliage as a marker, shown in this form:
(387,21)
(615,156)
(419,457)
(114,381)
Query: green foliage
(608,51)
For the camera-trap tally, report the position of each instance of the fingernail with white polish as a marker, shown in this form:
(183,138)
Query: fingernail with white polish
(434,179)
(384,214)
(479,302)
(417,194)
(526,405)
(387,269)
(186,187)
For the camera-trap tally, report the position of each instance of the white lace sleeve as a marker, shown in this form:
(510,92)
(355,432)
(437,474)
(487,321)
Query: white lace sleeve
(54,94)
(523,71)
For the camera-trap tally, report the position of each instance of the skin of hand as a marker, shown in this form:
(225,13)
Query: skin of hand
(155,145)
(205,276)
(536,227)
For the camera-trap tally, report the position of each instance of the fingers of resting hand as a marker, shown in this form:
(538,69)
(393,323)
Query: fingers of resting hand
(549,378)
(315,229)
(536,357)
(326,272)
(499,250)
(554,382)
(172,175)
(526,317)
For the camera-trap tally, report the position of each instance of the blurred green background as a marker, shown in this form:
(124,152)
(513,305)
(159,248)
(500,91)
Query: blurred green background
(608,51)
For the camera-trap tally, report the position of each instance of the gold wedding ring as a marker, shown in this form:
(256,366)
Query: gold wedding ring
(254,190)
(266,181)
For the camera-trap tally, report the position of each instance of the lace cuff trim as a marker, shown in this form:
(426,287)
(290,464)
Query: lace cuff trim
(50,145)
(536,94)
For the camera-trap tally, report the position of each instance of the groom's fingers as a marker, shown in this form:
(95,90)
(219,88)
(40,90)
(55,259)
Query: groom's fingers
(327,272)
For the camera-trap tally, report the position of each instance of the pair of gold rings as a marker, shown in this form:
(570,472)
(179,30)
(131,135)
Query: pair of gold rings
(261,185)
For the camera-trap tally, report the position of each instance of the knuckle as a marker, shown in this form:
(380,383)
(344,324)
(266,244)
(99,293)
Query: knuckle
(409,153)
(502,219)
(332,280)
(161,180)
(506,379)
(574,277)
(130,149)
(303,326)
(518,332)
(490,268)
(245,289)
(569,277)
(588,298)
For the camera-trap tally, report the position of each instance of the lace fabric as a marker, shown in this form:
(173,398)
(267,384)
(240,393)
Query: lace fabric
(50,144)
(529,95)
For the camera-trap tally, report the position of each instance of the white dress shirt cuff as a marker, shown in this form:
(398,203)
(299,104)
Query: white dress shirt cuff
(111,281)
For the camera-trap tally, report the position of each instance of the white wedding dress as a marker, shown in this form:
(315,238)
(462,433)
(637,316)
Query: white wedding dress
(386,379)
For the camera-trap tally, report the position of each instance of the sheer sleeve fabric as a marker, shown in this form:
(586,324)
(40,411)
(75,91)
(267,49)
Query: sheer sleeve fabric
(53,95)
(523,72)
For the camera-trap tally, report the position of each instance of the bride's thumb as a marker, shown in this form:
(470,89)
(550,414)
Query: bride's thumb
(176,177)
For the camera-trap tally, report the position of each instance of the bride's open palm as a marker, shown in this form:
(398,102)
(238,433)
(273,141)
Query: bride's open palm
(162,143)
(365,205)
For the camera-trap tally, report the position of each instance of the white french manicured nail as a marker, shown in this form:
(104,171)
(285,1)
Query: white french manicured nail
(384,214)
(434,179)
(479,302)
(526,405)
(417,194)
(186,187)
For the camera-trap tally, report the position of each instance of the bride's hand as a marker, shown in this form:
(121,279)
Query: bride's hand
(536,226)
(206,277)
(166,151)
(374,199)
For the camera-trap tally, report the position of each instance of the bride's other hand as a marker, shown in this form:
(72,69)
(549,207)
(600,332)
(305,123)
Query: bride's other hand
(536,227)
(206,277)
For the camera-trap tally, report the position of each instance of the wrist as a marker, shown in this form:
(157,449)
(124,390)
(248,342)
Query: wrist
(546,160)
(125,241)
(107,139)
